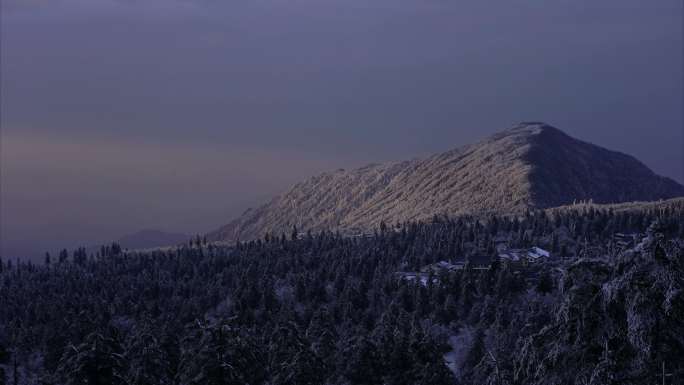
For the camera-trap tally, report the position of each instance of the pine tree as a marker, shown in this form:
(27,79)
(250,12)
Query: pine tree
(63,256)
(362,367)
(476,352)
(545,284)
(115,249)
(99,360)
(220,354)
(291,360)
(322,335)
(149,363)
(4,359)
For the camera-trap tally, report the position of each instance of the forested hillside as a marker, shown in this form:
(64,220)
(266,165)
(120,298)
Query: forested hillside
(321,308)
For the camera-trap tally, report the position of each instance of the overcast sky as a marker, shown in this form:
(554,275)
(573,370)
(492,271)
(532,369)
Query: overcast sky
(178,114)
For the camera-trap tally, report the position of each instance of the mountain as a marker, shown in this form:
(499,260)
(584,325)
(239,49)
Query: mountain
(529,166)
(146,239)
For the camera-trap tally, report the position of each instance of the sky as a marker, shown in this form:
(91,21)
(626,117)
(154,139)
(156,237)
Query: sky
(177,115)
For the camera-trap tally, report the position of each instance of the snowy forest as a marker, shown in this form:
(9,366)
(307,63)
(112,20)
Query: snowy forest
(325,308)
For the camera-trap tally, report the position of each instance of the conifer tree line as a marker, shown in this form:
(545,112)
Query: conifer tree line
(322,308)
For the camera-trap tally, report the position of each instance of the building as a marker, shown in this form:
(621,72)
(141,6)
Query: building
(524,257)
(625,241)
(536,254)
(511,258)
(440,266)
(476,262)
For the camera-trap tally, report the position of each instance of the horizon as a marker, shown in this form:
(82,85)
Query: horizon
(165,232)
(177,116)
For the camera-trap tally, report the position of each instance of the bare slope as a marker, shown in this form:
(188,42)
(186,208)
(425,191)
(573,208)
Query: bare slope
(531,165)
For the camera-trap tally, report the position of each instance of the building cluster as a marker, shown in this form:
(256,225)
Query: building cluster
(524,257)
(478,262)
(512,258)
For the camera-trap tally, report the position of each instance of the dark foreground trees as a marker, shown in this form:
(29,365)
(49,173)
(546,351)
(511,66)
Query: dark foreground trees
(325,309)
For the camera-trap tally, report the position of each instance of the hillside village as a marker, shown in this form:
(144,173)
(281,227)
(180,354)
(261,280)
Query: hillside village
(516,259)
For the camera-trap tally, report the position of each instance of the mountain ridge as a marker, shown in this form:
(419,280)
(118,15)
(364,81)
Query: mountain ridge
(531,165)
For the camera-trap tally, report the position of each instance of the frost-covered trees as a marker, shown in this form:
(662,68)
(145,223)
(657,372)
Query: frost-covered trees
(99,360)
(325,309)
(150,362)
(4,359)
(618,322)
(220,354)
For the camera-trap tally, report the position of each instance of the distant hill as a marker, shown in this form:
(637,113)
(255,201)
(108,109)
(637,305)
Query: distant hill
(146,239)
(529,166)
